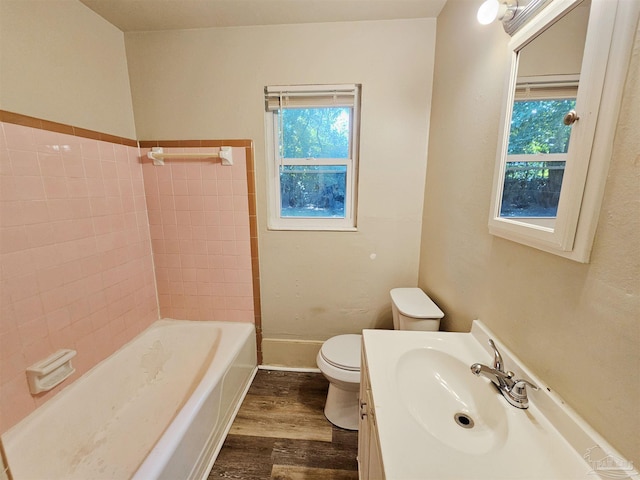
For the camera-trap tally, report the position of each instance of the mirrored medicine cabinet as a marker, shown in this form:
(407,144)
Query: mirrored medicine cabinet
(561,103)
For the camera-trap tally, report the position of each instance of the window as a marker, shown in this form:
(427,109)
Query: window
(537,151)
(312,147)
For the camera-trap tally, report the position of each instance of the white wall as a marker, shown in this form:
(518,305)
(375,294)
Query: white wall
(209,83)
(577,326)
(59,61)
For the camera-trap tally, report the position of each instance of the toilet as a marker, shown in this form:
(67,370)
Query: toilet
(339,357)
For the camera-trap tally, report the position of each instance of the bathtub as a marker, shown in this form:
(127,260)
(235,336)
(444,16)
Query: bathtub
(158,408)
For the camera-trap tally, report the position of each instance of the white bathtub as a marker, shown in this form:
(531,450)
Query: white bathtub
(158,408)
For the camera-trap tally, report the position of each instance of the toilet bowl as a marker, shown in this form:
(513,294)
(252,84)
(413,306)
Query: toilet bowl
(339,362)
(339,357)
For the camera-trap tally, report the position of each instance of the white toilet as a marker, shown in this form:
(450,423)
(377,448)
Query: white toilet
(339,357)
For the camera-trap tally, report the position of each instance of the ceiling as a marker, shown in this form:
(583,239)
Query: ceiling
(146,15)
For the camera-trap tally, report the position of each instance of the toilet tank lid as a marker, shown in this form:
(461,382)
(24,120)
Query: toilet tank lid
(413,302)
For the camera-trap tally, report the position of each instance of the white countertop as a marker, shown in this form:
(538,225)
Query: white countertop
(419,444)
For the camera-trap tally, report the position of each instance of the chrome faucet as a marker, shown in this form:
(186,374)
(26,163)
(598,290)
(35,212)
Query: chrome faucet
(515,391)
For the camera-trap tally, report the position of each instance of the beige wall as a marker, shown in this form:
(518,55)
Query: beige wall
(61,62)
(575,325)
(209,82)
(565,39)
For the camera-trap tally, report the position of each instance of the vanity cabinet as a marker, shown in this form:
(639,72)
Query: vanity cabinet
(369,457)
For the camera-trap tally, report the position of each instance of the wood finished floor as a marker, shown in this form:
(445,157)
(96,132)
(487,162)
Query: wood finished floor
(281,433)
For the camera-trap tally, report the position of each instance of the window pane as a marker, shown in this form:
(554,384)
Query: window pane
(531,189)
(537,126)
(313,191)
(315,132)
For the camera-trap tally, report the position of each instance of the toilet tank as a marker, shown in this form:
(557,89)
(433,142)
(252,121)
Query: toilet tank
(414,310)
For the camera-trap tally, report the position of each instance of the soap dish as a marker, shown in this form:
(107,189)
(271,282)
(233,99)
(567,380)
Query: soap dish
(46,374)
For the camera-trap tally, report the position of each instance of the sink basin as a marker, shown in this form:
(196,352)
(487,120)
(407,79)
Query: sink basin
(437,421)
(444,398)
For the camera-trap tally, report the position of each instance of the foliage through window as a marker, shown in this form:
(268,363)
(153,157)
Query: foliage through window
(312,155)
(532,186)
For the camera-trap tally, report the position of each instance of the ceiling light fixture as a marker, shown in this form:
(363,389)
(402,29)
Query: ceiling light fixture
(491,10)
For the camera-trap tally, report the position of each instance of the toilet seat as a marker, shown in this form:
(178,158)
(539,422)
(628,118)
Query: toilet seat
(343,351)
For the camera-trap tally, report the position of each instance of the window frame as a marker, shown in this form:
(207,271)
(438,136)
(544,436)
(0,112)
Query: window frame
(323,94)
(545,88)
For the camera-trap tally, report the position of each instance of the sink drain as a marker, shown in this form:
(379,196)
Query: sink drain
(464,420)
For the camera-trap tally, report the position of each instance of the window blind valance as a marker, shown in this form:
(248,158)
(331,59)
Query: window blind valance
(310,96)
(539,88)
(533,92)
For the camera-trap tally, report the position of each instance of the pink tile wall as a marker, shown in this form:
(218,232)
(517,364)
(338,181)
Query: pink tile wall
(199,223)
(75,255)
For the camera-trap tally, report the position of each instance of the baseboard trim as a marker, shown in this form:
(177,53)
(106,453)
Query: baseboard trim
(289,369)
(288,353)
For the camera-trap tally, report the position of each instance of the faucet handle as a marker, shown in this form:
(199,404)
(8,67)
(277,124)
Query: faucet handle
(497,358)
(519,388)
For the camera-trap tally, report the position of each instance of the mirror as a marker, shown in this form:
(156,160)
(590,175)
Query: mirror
(538,142)
(548,157)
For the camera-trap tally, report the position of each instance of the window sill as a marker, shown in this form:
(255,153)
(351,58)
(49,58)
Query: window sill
(311,229)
